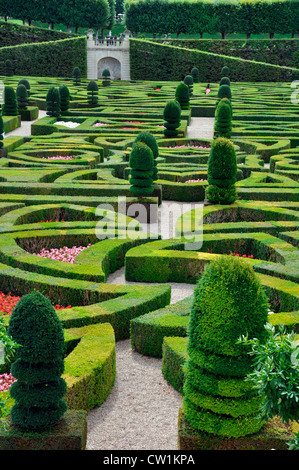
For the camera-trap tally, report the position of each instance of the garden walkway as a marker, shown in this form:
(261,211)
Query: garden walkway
(200,128)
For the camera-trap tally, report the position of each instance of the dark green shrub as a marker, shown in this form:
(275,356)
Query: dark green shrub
(92,93)
(172,117)
(9,68)
(25,82)
(106,77)
(225,71)
(141,163)
(1,131)
(182,95)
(53,102)
(229,302)
(195,74)
(151,142)
(222,172)
(224,81)
(39,389)
(188,80)
(65,98)
(22,97)
(76,76)
(10,107)
(223,119)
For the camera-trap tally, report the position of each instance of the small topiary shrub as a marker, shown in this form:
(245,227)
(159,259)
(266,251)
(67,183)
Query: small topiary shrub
(151,142)
(223,119)
(224,81)
(225,71)
(229,302)
(106,77)
(25,82)
(182,95)
(92,93)
(222,172)
(195,74)
(141,163)
(22,97)
(65,98)
(188,80)
(172,116)
(53,102)
(224,92)
(76,76)
(9,71)
(39,389)
(10,107)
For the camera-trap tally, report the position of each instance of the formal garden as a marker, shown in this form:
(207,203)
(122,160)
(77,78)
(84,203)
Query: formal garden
(87,167)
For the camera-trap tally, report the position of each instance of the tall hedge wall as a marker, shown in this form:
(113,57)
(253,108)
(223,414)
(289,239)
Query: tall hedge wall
(208,16)
(284,52)
(12,34)
(152,61)
(46,59)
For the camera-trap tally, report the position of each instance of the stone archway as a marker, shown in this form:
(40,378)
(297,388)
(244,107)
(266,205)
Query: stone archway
(113,65)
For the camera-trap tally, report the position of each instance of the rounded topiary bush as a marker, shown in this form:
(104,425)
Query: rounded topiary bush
(188,80)
(224,91)
(25,82)
(229,302)
(195,74)
(39,389)
(106,77)
(141,164)
(225,71)
(224,81)
(76,74)
(9,68)
(92,93)
(151,141)
(172,117)
(53,102)
(182,95)
(22,97)
(65,98)
(222,172)
(223,119)
(10,106)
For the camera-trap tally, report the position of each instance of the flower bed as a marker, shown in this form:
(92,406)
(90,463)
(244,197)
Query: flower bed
(9,301)
(65,254)
(6,380)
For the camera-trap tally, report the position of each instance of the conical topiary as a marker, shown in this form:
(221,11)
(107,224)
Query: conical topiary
(1,132)
(106,77)
(9,68)
(10,107)
(223,119)
(25,82)
(141,163)
(222,172)
(225,71)
(39,389)
(195,74)
(92,93)
(151,142)
(65,98)
(172,117)
(53,102)
(22,97)
(188,80)
(224,81)
(76,74)
(229,302)
(224,91)
(182,95)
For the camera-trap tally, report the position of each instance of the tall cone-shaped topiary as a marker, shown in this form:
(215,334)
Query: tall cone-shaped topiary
(151,142)
(172,117)
(225,71)
(182,95)
(9,68)
(141,163)
(224,91)
(229,302)
(25,82)
(92,93)
(76,74)
(195,74)
(188,80)
(53,102)
(22,97)
(65,98)
(222,172)
(39,389)
(106,77)
(223,119)
(10,107)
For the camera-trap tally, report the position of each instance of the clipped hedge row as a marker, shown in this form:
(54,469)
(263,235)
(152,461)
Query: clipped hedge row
(13,34)
(50,59)
(152,61)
